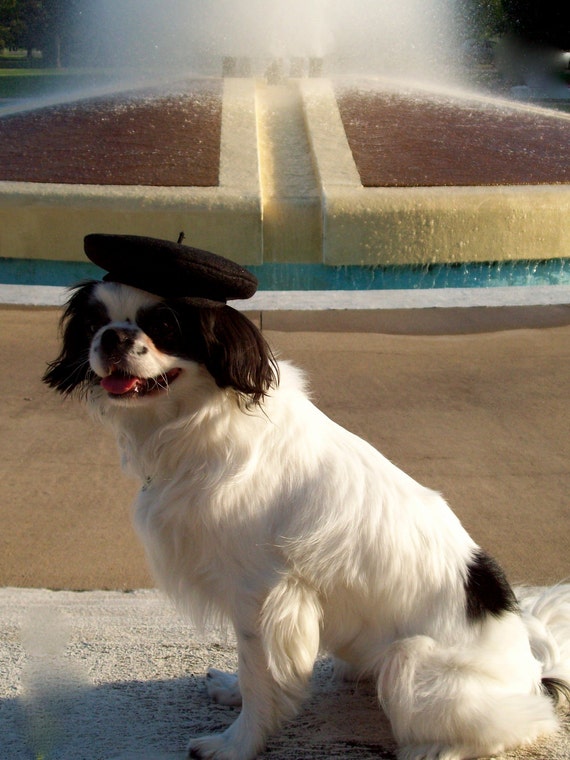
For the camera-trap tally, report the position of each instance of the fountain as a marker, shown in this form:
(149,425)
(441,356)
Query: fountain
(318,142)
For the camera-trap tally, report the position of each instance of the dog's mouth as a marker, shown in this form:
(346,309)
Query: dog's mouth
(122,385)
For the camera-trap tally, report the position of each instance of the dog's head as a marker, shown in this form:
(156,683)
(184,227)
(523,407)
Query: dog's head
(126,347)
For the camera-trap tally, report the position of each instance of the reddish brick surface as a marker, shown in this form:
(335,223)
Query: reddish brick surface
(144,138)
(400,141)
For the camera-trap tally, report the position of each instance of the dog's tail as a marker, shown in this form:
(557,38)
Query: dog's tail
(546,613)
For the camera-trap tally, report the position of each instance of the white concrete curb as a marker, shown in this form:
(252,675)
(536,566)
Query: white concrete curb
(318,300)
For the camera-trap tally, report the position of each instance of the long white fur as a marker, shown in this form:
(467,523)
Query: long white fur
(306,538)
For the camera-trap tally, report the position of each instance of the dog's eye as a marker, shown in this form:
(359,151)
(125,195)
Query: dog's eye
(91,326)
(161,325)
(94,320)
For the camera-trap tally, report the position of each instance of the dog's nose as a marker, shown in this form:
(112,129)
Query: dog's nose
(117,339)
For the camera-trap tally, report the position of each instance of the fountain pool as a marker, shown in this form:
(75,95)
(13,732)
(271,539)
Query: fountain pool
(300,176)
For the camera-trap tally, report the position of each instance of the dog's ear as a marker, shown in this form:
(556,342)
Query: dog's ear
(236,353)
(71,370)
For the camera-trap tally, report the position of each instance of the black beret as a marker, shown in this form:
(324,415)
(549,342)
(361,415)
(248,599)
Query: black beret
(168,269)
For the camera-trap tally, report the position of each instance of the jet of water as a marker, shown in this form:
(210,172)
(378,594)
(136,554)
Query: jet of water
(373,37)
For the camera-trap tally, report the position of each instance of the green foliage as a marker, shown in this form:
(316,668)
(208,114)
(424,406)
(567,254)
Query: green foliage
(537,21)
(47,25)
(9,20)
(484,19)
(544,23)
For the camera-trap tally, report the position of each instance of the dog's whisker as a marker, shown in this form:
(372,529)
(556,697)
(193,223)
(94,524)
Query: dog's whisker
(162,381)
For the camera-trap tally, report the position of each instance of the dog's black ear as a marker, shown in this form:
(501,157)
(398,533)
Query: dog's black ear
(71,370)
(236,353)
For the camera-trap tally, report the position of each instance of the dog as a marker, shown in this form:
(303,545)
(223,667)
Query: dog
(257,508)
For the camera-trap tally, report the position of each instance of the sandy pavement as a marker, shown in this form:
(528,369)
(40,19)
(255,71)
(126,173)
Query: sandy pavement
(474,403)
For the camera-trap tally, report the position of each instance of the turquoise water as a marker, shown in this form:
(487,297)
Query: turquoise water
(321,277)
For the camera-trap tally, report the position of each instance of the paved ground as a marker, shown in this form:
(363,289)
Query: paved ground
(113,676)
(473,402)
(481,416)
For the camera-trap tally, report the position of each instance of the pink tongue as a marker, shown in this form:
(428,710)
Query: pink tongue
(119,384)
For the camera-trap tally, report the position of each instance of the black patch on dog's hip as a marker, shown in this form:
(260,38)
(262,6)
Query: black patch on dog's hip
(486,588)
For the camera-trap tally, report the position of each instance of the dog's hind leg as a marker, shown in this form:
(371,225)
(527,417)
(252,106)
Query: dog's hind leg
(453,704)
(277,648)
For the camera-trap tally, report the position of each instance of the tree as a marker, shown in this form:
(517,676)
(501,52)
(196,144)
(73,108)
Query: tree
(540,23)
(482,19)
(10,23)
(47,25)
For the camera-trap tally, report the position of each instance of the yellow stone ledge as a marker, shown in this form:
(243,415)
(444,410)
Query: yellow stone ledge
(391,226)
(49,221)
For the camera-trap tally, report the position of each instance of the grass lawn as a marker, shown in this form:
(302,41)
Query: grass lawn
(31,82)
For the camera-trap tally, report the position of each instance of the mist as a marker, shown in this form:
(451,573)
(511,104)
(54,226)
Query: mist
(372,37)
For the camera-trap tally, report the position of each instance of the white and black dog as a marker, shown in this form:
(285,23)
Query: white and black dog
(257,507)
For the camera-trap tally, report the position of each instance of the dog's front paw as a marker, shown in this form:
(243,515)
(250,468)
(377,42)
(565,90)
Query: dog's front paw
(431,752)
(210,747)
(223,688)
(218,747)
